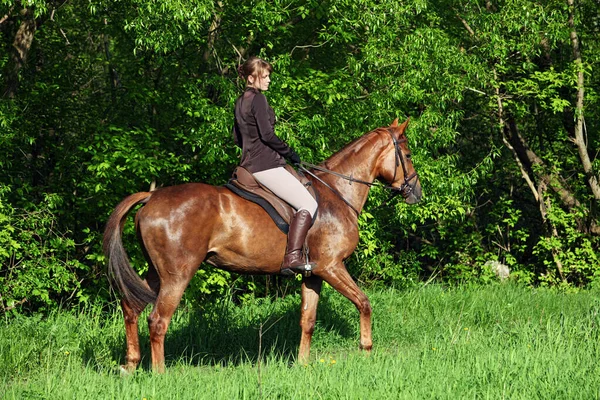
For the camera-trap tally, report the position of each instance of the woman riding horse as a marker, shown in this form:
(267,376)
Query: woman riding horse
(180,227)
(263,155)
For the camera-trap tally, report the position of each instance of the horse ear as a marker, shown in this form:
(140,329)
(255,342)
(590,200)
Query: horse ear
(404,125)
(395,123)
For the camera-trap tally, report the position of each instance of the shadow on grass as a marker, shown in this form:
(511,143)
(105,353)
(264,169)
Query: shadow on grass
(226,334)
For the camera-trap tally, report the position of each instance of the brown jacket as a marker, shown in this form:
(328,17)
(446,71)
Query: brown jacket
(254,132)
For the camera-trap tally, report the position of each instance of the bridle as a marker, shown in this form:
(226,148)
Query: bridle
(405,189)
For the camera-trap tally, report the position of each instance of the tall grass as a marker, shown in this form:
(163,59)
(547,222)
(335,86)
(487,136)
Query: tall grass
(498,341)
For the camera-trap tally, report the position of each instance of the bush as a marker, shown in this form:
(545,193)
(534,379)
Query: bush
(38,268)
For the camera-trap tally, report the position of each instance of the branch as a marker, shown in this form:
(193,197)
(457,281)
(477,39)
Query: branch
(465,24)
(8,14)
(545,205)
(312,45)
(482,93)
(14,305)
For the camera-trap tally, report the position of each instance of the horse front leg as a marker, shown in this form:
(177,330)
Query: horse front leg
(311,289)
(339,278)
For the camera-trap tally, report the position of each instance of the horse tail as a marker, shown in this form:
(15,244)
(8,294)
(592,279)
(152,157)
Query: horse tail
(121,275)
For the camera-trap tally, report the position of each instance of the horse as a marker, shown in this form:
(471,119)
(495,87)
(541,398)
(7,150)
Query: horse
(181,226)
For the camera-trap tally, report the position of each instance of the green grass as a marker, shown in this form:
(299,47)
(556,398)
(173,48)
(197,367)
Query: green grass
(498,341)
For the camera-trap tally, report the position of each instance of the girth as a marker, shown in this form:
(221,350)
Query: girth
(243,184)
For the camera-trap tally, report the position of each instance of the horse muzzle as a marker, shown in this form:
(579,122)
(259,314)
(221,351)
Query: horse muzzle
(412,193)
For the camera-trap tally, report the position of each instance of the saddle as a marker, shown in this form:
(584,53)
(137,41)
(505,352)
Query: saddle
(243,184)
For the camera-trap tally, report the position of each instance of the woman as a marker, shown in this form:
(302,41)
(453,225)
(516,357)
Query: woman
(264,154)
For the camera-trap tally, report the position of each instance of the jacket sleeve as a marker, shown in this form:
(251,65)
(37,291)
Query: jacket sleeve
(265,128)
(237,136)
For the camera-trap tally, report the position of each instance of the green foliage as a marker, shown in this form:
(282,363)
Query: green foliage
(576,252)
(38,261)
(117,95)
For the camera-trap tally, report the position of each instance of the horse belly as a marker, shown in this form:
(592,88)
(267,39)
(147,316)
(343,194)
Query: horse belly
(246,240)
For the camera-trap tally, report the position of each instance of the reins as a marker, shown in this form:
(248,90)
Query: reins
(301,166)
(405,189)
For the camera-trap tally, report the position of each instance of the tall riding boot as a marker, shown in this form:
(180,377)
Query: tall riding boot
(294,262)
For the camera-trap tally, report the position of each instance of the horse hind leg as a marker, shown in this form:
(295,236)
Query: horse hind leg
(131,316)
(132,356)
(160,318)
(175,275)
(175,263)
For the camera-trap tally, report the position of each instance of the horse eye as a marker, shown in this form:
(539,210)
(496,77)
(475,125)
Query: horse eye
(409,156)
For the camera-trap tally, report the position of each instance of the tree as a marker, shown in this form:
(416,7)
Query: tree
(107,98)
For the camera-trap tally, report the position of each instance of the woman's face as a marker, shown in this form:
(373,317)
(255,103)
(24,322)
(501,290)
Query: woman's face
(261,83)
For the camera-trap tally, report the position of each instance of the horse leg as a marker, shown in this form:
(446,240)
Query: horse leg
(311,289)
(339,278)
(133,355)
(160,317)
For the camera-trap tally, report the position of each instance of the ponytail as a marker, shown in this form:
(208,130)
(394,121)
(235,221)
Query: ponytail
(254,66)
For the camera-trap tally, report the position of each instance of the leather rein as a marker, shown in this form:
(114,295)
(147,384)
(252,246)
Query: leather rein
(405,189)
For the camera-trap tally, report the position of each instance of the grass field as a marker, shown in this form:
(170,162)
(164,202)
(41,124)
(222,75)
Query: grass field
(492,342)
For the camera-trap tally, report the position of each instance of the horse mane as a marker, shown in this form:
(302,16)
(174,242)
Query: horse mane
(350,149)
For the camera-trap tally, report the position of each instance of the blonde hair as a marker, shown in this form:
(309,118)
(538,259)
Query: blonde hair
(254,66)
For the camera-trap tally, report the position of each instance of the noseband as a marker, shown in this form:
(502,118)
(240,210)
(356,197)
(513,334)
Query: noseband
(405,189)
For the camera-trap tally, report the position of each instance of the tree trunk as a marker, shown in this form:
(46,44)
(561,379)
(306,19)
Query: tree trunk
(523,157)
(579,120)
(21,45)
(212,32)
(113,78)
(528,162)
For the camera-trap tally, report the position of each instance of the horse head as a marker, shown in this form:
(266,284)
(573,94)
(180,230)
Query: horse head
(396,166)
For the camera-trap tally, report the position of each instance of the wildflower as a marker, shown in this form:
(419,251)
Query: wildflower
(466,329)
(333,362)
(67,353)
(322,360)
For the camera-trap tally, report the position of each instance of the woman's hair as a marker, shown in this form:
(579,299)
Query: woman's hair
(254,66)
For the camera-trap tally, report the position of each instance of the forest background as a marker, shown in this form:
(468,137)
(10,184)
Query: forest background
(101,99)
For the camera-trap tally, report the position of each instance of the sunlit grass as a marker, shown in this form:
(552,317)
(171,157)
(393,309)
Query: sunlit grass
(499,341)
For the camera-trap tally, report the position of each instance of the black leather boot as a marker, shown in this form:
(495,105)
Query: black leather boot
(293,262)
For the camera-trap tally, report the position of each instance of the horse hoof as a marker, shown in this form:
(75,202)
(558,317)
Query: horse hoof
(125,370)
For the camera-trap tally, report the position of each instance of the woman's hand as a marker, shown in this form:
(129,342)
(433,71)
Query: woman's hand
(293,157)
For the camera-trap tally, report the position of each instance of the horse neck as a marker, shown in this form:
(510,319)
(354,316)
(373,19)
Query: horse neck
(359,160)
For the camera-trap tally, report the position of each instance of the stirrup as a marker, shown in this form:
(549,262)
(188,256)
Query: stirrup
(304,269)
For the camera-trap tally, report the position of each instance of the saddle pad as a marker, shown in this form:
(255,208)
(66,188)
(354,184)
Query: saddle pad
(279,221)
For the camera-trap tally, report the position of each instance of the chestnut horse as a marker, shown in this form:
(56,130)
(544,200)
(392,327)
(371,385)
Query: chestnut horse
(181,226)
